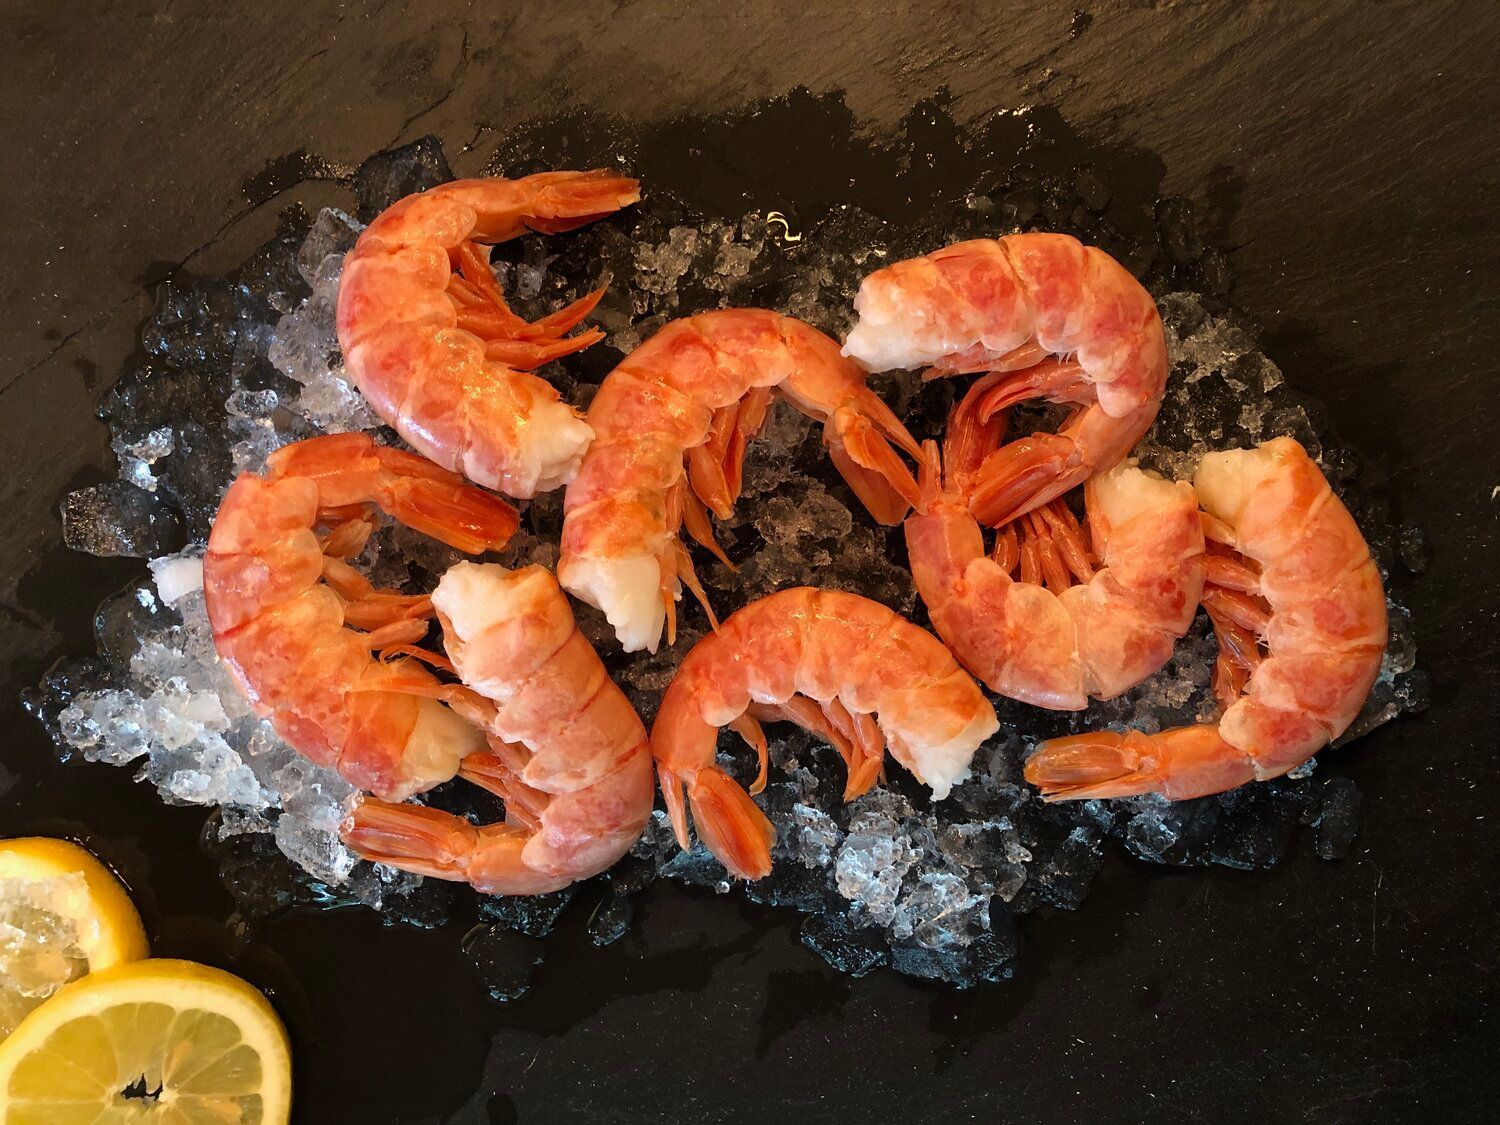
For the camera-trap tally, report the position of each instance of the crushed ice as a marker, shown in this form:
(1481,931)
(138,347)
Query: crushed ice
(240,367)
(40,946)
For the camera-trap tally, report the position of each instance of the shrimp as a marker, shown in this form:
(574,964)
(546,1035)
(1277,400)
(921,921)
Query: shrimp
(1300,615)
(826,660)
(1065,630)
(568,755)
(280,598)
(698,391)
(1056,320)
(429,340)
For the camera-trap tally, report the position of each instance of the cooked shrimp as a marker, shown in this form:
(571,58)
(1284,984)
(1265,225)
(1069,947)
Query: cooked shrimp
(1067,629)
(280,599)
(430,341)
(1300,614)
(569,755)
(698,391)
(827,661)
(1062,321)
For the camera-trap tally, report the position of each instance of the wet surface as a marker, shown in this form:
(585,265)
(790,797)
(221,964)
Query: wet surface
(1335,992)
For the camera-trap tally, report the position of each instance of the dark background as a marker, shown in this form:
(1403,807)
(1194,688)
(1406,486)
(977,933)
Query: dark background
(1360,140)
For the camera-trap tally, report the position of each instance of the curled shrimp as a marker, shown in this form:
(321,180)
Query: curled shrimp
(1300,614)
(281,599)
(1083,615)
(1056,320)
(568,754)
(828,661)
(697,392)
(429,340)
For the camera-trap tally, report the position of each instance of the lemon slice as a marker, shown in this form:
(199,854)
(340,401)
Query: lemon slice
(148,1041)
(62,914)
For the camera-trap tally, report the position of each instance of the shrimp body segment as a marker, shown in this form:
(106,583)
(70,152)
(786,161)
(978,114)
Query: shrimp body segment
(1300,615)
(1085,615)
(844,667)
(568,754)
(1054,320)
(281,599)
(429,340)
(671,425)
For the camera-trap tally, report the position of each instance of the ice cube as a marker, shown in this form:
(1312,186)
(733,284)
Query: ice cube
(314,849)
(1337,821)
(196,324)
(238,821)
(332,232)
(659,266)
(940,912)
(118,518)
(250,405)
(528,281)
(610,920)
(1411,546)
(812,836)
(697,867)
(849,948)
(991,851)
(379,886)
(40,944)
(304,347)
(124,619)
(505,960)
(136,454)
(397,173)
(871,864)
(534,915)
(1061,875)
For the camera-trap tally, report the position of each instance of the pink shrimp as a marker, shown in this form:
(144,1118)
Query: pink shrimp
(1062,321)
(1300,614)
(280,598)
(1066,630)
(569,755)
(430,341)
(826,660)
(698,390)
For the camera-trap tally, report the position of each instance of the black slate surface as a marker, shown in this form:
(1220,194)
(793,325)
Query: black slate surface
(1351,148)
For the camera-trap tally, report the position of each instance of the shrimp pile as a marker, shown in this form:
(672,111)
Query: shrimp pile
(568,754)
(1300,614)
(1052,319)
(543,726)
(697,392)
(1058,612)
(429,340)
(1065,630)
(845,668)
